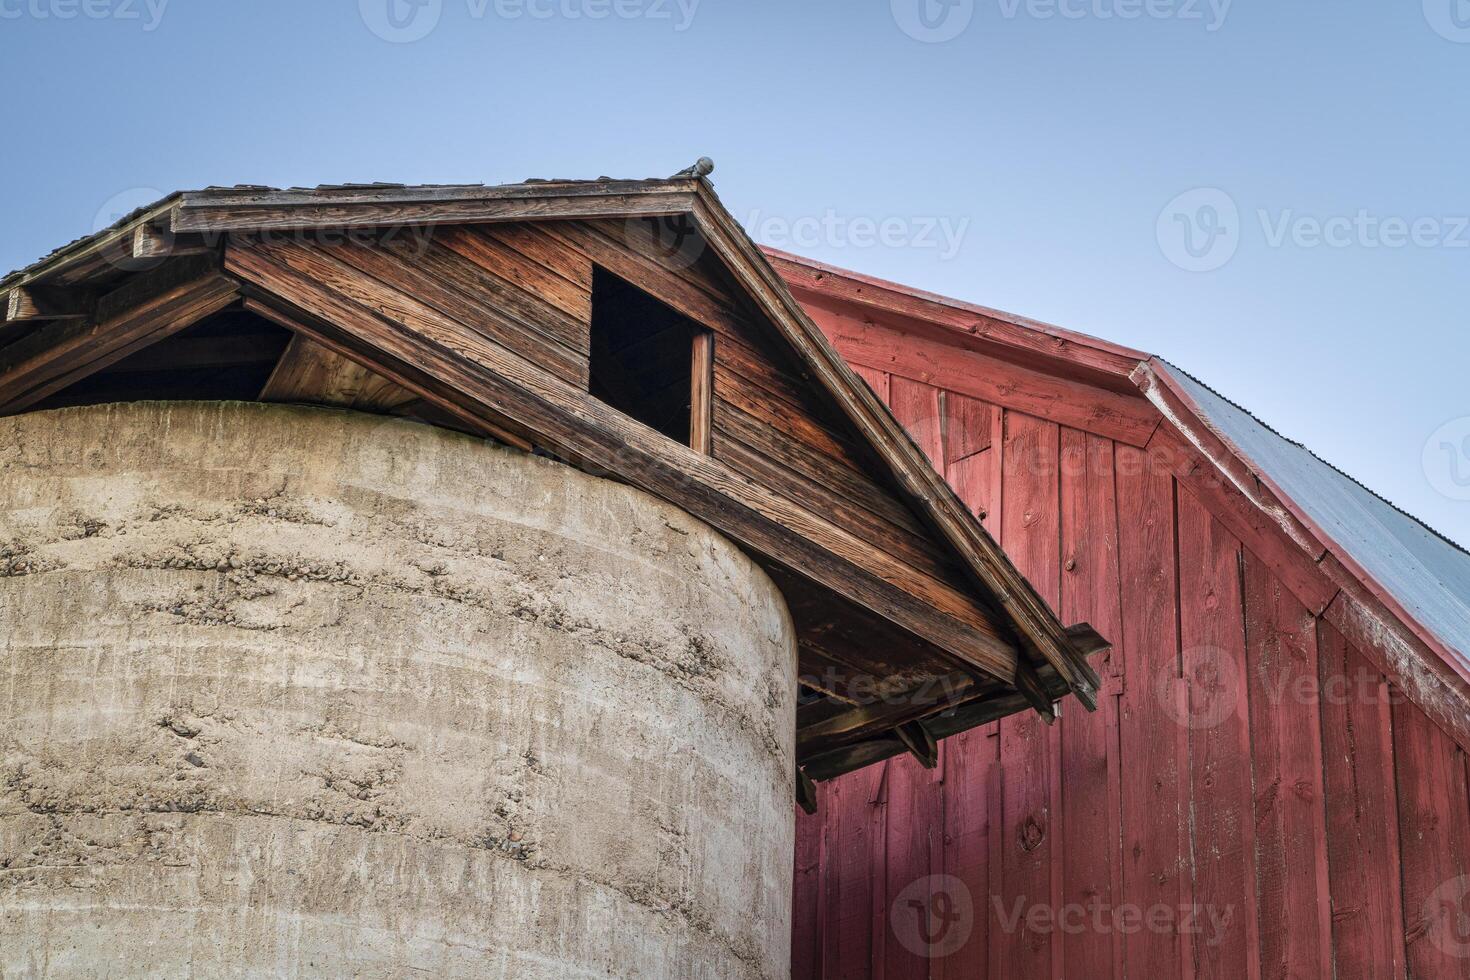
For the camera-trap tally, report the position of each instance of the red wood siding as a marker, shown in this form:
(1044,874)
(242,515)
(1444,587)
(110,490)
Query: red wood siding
(1251,799)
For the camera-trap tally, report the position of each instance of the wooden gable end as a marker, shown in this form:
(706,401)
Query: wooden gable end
(499,314)
(519,296)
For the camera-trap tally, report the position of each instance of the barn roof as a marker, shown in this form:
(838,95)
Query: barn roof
(1421,570)
(1395,587)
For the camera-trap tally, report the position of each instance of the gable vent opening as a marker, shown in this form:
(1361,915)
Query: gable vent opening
(649,361)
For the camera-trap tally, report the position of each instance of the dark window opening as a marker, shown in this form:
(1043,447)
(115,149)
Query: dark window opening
(649,361)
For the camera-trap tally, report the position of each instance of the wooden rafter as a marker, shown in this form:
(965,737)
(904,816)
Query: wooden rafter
(143,311)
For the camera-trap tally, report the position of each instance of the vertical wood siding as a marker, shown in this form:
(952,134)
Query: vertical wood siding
(1251,798)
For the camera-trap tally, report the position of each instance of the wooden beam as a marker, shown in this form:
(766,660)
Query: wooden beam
(436,404)
(309,372)
(825,725)
(1019,339)
(972,714)
(153,242)
(46,303)
(404,332)
(920,743)
(143,311)
(286,210)
(1128,419)
(701,392)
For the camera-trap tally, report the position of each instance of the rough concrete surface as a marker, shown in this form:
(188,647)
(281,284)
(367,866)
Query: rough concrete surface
(299,692)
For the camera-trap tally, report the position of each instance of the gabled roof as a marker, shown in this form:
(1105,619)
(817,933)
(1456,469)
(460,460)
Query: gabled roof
(253,229)
(1397,589)
(1405,561)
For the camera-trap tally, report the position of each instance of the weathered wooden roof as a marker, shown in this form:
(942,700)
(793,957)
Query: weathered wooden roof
(198,254)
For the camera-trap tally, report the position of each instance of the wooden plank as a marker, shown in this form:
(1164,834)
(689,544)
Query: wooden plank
(152,243)
(966,323)
(806,897)
(876,380)
(976,477)
(458,289)
(1212,638)
(763,427)
(531,241)
(971,767)
(918,408)
(487,250)
(1030,533)
(271,211)
(1101,412)
(791,421)
(1361,808)
(1286,763)
(1153,740)
(25,303)
(966,426)
(146,309)
(701,392)
(407,330)
(1090,767)
(918,903)
(853,829)
(764,465)
(1434,844)
(537,297)
(308,372)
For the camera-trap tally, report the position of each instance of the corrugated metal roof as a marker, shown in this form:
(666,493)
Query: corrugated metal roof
(1428,574)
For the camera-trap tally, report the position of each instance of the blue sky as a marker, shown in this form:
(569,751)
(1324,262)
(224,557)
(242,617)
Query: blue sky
(1271,194)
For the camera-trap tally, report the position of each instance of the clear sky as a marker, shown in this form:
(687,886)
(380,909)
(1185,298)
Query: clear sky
(1272,194)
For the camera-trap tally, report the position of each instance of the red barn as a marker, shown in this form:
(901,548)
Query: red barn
(1274,783)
